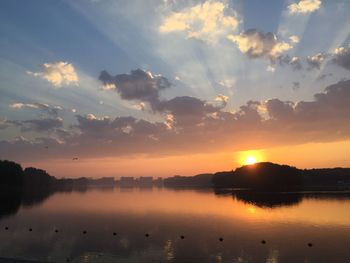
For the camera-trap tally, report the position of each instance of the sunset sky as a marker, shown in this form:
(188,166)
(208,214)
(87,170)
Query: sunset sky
(164,87)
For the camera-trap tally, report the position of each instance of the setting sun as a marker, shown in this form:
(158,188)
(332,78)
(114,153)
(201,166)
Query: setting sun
(251,157)
(250,160)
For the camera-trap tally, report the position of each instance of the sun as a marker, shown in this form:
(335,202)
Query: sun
(250,157)
(250,160)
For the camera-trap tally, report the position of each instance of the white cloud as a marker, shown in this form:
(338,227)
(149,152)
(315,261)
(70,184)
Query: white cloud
(58,74)
(19,105)
(316,60)
(227,83)
(294,39)
(223,99)
(169,121)
(140,106)
(49,109)
(304,6)
(108,86)
(207,21)
(341,57)
(270,68)
(259,44)
(91,116)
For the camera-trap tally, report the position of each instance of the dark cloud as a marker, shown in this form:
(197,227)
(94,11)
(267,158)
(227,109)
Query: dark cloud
(341,57)
(324,76)
(187,110)
(315,62)
(3,124)
(191,125)
(138,85)
(294,62)
(49,109)
(296,85)
(43,107)
(38,125)
(145,87)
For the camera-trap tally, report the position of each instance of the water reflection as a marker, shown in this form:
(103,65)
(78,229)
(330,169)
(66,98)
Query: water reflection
(269,200)
(200,216)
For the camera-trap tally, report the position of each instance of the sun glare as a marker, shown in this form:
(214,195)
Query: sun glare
(251,157)
(250,160)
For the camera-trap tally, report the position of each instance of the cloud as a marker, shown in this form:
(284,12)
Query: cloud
(46,108)
(222,99)
(228,83)
(138,85)
(296,85)
(208,21)
(191,125)
(187,110)
(330,107)
(38,125)
(324,76)
(341,57)
(316,61)
(257,44)
(294,39)
(58,74)
(304,6)
(140,106)
(3,123)
(294,62)
(270,68)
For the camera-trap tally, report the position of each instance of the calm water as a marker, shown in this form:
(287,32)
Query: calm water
(287,224)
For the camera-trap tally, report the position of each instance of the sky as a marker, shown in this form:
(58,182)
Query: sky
(162,87)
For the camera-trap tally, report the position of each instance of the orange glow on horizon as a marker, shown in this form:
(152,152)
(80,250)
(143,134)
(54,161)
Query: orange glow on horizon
(312,155)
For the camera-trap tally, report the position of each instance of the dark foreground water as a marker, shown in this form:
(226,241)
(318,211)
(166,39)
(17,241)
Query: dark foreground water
(162,225)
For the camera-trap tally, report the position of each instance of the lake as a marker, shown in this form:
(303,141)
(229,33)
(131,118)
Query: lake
(165,225)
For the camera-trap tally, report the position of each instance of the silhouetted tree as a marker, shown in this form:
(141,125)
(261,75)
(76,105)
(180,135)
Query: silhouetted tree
(37,178)
(11,174)
(260,176)
(269,200)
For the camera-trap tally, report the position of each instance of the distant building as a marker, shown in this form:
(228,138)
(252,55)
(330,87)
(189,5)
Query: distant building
(146,181)
(158,182)
(104,181)
(127,181)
